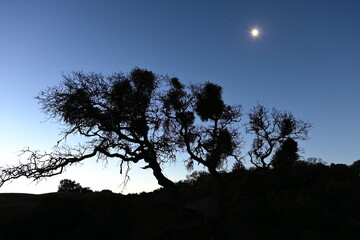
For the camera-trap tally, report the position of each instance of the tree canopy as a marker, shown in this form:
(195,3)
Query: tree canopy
(199,122)
(145,117)
(120,115)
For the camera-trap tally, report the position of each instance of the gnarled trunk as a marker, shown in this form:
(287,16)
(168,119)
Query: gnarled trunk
(163,181)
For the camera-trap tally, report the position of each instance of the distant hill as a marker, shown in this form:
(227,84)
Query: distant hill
(307,201)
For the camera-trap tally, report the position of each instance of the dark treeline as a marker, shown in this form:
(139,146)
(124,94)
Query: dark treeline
(307,201)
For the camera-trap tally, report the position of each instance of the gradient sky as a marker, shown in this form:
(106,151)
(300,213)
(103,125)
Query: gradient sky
(306,60)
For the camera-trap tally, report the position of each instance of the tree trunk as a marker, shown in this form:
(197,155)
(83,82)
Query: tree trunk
(161,179)
(157,172)
(221,209)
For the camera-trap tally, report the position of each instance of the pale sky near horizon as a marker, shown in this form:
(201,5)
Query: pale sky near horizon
(305,60)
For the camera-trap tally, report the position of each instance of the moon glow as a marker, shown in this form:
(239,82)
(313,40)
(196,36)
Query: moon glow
(255,32)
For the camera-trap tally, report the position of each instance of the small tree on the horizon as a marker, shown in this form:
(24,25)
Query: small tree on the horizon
(67,185)
(271,129)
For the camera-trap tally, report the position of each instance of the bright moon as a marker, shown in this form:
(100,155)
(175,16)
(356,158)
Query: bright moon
(255,32)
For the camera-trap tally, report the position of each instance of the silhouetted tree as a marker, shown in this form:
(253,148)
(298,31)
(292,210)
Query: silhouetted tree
(238,165)
(199,122)
(271,128)
(120,115)
(286,155)
(67,185)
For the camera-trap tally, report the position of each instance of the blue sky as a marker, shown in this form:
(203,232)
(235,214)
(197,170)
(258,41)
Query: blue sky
(306,60)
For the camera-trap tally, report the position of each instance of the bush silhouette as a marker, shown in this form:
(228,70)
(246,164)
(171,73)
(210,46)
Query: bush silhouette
(286,155)
(67,185)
